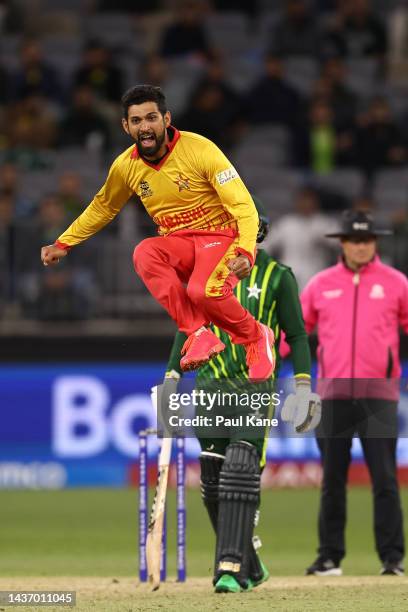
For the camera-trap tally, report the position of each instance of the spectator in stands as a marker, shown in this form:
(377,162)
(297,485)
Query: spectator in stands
(157,71)
(364,204)
(23,153)
(33,117)
(11,16)
(5,85)
(214,75)
(6,210)
(51,218)
(296,33)
(70,195)
(272,99)
(333,88)
(378,141)
(316,142)
(35,76)
(399,221)
(397,56)
(210,114)
(357,32)
(154,70)
(10,188)
(83,125)
(6,246)
(403,123)
(297,238)
(51,294)
(221,103)
(331,199)
(99,73)
(30,128)
(186,37)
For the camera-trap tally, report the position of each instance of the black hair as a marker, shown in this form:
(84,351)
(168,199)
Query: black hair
(143,93)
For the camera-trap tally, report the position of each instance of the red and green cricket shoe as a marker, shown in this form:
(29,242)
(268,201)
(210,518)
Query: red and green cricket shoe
(259,356)
(199,348)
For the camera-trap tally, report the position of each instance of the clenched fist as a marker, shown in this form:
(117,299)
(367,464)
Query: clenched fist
(50,255)
(240,266)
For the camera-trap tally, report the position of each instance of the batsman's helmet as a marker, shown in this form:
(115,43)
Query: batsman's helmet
(263,227)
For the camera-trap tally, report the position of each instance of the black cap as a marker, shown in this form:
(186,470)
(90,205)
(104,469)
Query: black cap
(355,224)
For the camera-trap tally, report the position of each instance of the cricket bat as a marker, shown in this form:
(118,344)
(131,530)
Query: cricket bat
(155,529)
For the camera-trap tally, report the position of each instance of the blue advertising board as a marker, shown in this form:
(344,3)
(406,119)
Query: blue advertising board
(76,425)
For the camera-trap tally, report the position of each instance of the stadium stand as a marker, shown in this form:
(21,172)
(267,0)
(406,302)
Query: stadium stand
(265,153)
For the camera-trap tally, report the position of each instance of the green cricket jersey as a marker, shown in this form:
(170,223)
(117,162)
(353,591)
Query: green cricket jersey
(270,294)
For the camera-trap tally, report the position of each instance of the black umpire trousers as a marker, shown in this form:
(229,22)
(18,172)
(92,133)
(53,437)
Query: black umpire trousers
(376,423)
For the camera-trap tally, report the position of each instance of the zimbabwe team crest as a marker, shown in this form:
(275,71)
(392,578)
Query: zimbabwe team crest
(183,182)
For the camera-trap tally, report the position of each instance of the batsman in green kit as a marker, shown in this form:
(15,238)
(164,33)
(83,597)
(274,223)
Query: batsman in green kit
(231,466)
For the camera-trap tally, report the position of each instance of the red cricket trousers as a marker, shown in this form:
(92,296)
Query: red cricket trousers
(188,275)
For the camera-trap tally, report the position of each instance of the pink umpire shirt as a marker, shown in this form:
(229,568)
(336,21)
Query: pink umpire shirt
(358,315)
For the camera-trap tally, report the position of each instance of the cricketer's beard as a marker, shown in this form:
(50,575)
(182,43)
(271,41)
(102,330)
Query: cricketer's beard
(150,152)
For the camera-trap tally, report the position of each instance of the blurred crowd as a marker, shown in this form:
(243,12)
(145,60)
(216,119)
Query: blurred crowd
(307,97)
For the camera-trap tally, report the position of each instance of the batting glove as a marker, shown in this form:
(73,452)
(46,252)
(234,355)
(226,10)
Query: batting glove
(169,386)
(172,375)
(303,408)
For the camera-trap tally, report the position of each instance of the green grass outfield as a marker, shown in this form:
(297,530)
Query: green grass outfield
(93,533)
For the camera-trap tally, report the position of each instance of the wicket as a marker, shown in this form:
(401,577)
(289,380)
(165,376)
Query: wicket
(144,509)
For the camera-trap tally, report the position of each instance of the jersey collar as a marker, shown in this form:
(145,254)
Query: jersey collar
(368,266)
(174,136)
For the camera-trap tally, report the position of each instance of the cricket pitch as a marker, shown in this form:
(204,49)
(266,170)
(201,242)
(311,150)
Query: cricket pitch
(124,594)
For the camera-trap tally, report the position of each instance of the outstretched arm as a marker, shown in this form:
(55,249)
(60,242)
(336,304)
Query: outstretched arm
(103,208)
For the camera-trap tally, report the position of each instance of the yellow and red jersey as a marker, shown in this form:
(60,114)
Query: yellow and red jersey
(194,186)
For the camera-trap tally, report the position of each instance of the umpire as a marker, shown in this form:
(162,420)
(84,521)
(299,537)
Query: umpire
(358,306)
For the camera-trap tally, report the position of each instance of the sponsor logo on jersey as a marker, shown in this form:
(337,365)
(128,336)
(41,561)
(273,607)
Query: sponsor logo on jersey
(145,190)
(333,294)
(227,175)
(182,182)
(377,292)
(211,244)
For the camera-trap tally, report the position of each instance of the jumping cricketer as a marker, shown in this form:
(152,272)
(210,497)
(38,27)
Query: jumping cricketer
(207,224)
